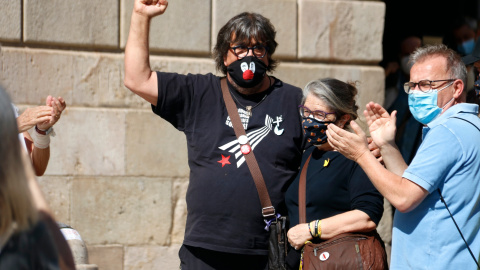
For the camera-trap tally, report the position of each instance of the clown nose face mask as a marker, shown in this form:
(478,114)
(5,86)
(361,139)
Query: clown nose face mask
(247,72)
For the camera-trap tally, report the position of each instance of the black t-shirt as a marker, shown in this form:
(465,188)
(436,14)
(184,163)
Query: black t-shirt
(224,211)
(334,185)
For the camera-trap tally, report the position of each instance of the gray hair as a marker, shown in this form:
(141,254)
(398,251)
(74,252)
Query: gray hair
(455,67)
(337,95)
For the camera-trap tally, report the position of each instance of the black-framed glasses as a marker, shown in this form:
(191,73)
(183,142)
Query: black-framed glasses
(319,115)
(259,51)
(423,85)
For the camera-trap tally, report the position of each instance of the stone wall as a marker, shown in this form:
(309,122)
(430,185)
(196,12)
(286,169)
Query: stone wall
(117,173)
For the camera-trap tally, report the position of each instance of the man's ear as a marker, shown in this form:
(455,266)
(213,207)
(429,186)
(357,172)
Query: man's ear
(458,87)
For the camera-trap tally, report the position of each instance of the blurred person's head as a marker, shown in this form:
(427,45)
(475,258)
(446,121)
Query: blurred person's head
(462,35)
(407,47)
(17,211)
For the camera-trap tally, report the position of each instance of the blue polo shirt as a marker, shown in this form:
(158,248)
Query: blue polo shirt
(448,159)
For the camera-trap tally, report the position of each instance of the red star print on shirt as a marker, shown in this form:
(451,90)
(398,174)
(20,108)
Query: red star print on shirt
(224,160)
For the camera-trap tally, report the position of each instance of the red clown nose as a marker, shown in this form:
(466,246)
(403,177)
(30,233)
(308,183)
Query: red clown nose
(247,75)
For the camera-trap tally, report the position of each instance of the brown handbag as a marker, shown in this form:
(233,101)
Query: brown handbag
(344,251)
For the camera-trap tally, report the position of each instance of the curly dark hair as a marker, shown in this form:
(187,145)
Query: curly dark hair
(242,29)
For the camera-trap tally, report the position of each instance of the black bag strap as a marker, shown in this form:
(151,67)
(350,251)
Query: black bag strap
(267,208)
(443,200)
(469,250)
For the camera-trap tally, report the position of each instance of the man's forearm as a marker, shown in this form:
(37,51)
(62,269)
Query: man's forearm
(402,193)
(393,160)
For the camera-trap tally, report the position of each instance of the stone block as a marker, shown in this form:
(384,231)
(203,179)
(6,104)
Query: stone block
(180,187)
(151,257)
(184,28)
(183,65)
(153,147)
(122,210)
(87,23)
(98,81)
(11,20)
(106,257)
(281,13)
(88,142)
(30,75)
(336,31)
(57,192)
(82,79)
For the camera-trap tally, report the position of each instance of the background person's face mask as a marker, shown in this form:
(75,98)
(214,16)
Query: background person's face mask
(247,72)
(466,47)
(423,106)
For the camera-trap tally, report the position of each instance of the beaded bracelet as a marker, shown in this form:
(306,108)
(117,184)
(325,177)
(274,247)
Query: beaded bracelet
(319,229)
(310,230)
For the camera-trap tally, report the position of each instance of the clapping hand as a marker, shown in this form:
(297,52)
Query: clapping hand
(57,106)
(382,126)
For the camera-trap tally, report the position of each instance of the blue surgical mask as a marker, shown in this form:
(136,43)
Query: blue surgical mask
(423,105)
(466,47)
(315,130)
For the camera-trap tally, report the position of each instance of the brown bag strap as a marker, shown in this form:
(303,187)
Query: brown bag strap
(267,207)
(302,186)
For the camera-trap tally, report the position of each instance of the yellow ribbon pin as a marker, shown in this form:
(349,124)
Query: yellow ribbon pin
(326,162)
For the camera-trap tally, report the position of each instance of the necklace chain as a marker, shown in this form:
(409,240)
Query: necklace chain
(250,108)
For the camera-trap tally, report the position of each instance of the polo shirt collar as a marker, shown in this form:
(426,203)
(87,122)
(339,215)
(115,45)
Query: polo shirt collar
(454,110)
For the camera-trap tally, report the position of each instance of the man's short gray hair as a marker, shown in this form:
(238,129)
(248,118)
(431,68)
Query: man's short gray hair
(455,66)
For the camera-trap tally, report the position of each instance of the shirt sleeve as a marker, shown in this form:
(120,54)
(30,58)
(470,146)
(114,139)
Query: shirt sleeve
(436,156)
(175,94)
(364,196)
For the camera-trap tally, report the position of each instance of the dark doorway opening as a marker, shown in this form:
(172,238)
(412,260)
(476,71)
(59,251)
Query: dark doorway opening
(431,20)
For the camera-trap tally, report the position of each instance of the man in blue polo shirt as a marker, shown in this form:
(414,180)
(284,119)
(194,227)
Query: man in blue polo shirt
(447,163)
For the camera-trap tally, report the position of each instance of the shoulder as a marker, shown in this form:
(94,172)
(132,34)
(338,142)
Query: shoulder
(282,86)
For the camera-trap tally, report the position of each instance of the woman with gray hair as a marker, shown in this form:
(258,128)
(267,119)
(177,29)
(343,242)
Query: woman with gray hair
(339,196)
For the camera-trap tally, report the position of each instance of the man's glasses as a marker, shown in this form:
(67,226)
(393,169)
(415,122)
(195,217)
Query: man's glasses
(319,115)
(259,51)
(423,85)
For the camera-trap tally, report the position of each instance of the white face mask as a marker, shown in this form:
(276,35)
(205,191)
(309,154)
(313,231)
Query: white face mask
(405,65)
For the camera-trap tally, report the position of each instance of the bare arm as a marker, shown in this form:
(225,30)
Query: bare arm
(139,77)
(351,221)
(38,156)
(402,193)
(383,128)
(38,198)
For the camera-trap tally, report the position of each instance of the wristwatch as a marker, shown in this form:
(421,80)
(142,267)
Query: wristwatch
(43,132)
